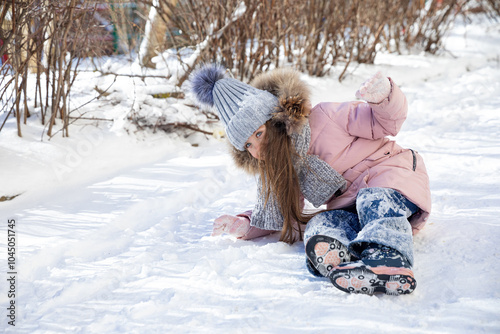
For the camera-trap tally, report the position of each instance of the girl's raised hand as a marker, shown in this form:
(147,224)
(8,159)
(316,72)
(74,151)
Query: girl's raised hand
(375,89)
(235,226)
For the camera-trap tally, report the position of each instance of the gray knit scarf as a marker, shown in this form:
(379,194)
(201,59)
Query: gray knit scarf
(318,183)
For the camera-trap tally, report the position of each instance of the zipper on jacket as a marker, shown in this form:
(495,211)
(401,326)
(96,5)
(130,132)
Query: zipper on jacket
(414,159)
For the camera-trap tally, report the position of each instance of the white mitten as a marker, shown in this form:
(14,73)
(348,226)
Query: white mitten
(375,89)
(235,226)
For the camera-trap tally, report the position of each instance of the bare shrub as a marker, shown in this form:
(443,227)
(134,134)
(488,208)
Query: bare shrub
(313,36)
(47,38)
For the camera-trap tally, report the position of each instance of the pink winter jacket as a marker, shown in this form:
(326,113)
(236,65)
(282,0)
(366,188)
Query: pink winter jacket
(351,137)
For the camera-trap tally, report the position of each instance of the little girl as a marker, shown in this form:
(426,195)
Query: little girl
(335,154)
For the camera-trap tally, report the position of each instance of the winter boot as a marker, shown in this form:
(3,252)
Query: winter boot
(380,270)
(325,253)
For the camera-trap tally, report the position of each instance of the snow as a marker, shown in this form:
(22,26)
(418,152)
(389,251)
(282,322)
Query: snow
(113,225)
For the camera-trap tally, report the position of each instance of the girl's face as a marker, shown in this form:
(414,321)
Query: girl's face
(255,141)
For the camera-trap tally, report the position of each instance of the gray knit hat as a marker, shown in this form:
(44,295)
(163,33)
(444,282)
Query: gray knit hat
(241,107)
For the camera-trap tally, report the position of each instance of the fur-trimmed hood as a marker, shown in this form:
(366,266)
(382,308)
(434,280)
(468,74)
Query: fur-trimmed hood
(293,107)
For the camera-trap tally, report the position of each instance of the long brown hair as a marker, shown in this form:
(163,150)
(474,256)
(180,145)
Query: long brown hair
(279,177)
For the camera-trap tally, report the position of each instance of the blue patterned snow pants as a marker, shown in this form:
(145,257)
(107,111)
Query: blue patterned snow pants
(382,218)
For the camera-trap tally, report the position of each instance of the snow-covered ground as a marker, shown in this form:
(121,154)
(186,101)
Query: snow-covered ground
(113,229)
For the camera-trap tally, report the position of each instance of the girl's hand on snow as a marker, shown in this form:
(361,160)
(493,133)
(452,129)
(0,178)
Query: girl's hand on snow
(375,89)
(235,226)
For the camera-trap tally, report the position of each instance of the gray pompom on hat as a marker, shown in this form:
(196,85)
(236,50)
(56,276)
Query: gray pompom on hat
(241,107)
